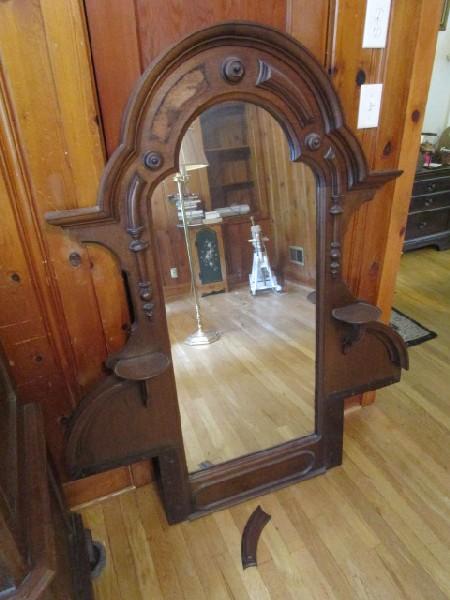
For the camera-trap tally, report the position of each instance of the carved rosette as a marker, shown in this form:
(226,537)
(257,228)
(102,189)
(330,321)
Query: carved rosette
(153,160)
(233,69)
(137,245)
(313,141)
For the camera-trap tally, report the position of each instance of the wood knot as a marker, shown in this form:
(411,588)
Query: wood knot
(64,420)
(75,259)
(233,69)
(374,269)
(153,160)
(360,77)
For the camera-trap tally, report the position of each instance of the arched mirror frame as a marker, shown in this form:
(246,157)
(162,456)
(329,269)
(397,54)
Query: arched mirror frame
(133,413)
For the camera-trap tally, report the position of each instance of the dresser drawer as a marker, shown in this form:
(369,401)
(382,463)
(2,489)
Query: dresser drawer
(427,223)
(439,200)
(430,186)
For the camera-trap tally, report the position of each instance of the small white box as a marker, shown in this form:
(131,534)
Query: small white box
(369,105)
(376,23)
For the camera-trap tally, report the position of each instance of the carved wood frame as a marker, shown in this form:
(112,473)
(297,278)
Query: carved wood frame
(133,413)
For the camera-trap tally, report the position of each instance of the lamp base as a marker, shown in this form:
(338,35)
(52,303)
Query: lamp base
(202,338)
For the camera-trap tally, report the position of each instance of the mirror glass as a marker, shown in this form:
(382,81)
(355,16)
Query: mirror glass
(250,218)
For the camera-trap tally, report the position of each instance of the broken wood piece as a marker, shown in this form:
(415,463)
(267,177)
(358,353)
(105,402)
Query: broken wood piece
(250,536)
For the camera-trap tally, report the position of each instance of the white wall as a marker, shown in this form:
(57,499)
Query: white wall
(437,113)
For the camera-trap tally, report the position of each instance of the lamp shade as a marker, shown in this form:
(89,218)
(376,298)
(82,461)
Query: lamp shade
(192,155)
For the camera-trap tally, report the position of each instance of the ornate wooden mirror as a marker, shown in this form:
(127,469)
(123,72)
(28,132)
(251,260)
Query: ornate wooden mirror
(240,70)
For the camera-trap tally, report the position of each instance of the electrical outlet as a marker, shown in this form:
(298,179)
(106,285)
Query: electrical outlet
(369,105)
(174,273)
(376,23)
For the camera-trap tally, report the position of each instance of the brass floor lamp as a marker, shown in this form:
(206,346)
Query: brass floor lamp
(192,157)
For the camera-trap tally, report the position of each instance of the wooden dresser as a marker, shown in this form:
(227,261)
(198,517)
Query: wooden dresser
(429,212)
(44,549)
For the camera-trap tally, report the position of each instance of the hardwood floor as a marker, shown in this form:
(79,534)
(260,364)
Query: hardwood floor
(378,527)
(252,389)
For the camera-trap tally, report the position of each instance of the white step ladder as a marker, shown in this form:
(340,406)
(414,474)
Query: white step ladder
(261,278)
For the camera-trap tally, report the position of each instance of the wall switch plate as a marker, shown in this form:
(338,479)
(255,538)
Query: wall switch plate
(376,23)
(174,273)
(369,105)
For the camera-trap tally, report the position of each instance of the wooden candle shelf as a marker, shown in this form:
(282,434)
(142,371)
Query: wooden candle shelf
(357,315)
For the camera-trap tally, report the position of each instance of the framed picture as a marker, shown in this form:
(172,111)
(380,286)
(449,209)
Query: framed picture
(444,17)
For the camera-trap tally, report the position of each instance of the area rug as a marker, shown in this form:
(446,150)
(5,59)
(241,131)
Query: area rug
(412,332)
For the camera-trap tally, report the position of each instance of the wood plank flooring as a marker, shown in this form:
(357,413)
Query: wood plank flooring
(376,528)
(252,389)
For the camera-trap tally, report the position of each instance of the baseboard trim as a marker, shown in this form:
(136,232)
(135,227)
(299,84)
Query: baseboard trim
(82,492)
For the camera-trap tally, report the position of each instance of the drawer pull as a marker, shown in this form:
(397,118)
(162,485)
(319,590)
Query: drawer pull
(428,201)
(422,225)
(431,187)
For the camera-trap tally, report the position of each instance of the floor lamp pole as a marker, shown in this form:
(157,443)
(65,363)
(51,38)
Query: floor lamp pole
(200,337)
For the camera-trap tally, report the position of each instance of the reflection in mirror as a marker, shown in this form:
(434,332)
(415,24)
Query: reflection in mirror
(250,219)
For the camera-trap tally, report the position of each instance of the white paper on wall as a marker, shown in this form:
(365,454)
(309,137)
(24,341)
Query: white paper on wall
(369,105)
(376,23)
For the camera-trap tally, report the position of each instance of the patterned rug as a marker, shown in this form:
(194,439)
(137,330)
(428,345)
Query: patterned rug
(411,331)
